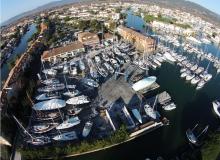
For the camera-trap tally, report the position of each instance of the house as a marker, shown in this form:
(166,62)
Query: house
(88,38)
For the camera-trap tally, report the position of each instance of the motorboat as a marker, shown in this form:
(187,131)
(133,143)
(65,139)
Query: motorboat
(43,128)
(73,71)
(67,136)
(39,141)
(81,65)
(216,107)
(194,67)
(65,69)
(200,84)
(49,105)
(109,67)
(71,93)
(70,86)
(169,57)
(90,82)
(71,122)
(150,111)
(184,74)
(207,76)
(78,100)
(50,81)
(102,71)
(182,70)
(199,70)
(97,59)
(169,107)
(190,76)
(137,115)
(50,72)
(51,88)
(195,80)
(87,128)
(47,96)
(74,111)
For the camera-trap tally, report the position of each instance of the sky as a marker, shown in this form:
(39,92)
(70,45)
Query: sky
(11,8)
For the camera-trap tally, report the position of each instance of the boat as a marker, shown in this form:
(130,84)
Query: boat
(50,72)
(200,84)
(207,76)
(73,71)
(194,67)
(199,70)
(81,65)
(190,76)
(73,121)
(102,71)
(144,83)
(43,128)
(182,70)
(68,136)
(74,111)
(70,86)
(169,107)
(49,105)
(47,96)
(45,116)
(51,88)
(195,80)
(192,137)
(216,107)
(78,100)
(50,81)
(109,67)
(169,57)
(150,111)
(65,69)
(71,93)
(90,82)
(87,128)
(39,141)
(184,74)
(137,115)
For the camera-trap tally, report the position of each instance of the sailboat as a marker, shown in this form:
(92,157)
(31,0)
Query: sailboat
(70,122)
(67,136)
(42,140)
(87,128)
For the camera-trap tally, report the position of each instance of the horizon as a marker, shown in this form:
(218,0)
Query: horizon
(25,7)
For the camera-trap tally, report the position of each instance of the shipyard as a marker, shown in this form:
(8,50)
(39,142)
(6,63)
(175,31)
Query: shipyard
(96,80)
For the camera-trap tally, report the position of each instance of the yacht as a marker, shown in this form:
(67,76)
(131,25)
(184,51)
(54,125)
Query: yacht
(51,88)
(90,82)
(182,70)
(207,76)
(73,121)
(169,107)
(67,136)
(199,70)
(190,76)
(216,107)
(150,111)
(50,81)
(49,105)
(184,74)
(194,67)
(74,111)
(71,93)
(47,96)
(78,100)
(137,115)
(195,80)
(87,128)
(169,57)
(157,62)
(200,84)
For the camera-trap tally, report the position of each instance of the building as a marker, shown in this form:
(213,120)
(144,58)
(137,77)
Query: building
(141,42)
(69,50)
(88,38)
(109,37)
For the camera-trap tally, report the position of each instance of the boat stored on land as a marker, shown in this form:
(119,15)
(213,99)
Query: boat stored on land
(73,121)
(49,105)
(87,128)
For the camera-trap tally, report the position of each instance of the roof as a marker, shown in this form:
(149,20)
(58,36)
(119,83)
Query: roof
(88,36)
(73,46)
(108,36)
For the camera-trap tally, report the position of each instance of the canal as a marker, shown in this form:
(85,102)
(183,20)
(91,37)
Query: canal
(20,49)
(193,106)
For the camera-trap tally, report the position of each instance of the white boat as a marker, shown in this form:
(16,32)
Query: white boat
(200,84)
(90,82)
(182,70)
(195,80)
(51,72)
(216,107)
(169,57)
(81,65)
(199,70)
(194,67)
(74,111)
(102,71)
(70,86)
(169,107)
(47,96)
(137,115)
(49,105)
(73,121)
(71,93)
(184,74)
(65,69)
(87,128)
(78,100)
(97,59)
(109,67)
(157,62)
(190,76)
(144,83)
(50,81)
(43,128)
(51,88)
(207,77)
(150,111)
(39,141)
(68,136)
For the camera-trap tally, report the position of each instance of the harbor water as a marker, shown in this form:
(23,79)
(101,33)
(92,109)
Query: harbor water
(20,49)
(193,107)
